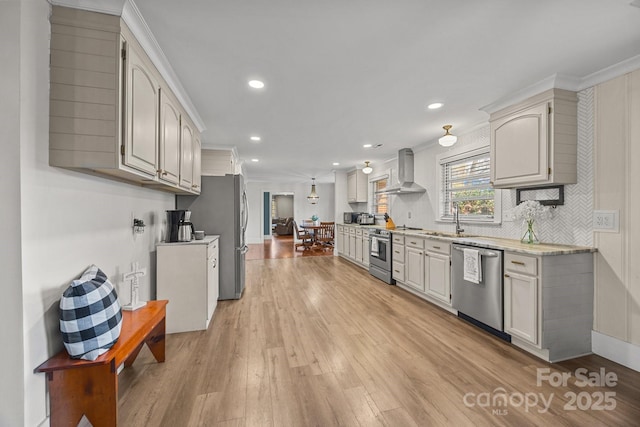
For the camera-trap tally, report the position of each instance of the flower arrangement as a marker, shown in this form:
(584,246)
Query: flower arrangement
(528,211)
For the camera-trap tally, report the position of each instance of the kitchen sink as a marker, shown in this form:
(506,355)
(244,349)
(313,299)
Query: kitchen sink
(443,234)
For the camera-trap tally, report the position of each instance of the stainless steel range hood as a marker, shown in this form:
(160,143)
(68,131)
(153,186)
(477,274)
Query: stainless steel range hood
(405,183)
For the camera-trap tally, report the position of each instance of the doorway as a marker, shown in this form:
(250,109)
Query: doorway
(276,206)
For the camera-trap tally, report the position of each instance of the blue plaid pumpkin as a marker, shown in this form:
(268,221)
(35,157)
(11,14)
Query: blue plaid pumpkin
(90,315)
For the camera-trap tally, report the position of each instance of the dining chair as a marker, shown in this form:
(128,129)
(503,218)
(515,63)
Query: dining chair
(305,239)
(326,234)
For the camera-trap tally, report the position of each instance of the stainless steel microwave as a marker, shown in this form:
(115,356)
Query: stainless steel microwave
(351,217)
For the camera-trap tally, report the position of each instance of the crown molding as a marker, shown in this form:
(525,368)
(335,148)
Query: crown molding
(611,72)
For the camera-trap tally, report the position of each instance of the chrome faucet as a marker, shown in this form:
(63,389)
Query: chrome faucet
(456,218)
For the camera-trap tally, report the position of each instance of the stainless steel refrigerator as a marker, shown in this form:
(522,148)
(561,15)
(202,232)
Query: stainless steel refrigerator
(221,208)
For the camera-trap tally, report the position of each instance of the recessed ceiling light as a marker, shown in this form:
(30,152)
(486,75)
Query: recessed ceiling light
(367,146)
(255,138)
(435,105)
(256,84)
(255,160)
(336,164)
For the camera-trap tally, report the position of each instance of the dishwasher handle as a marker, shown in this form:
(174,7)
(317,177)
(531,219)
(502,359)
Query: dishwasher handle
(482,252)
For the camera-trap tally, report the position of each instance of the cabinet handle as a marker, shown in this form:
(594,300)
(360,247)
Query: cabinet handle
(162,172)
(214,263)
(517,262)
(506,275)
(436,247)
(397,271)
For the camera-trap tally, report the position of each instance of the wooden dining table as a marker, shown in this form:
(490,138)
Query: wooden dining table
(312,228)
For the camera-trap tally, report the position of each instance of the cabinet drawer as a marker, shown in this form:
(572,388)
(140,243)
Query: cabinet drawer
(414,242)
(359,232)
(437,246)
(397,253)
(397,239)
(351,230)
(521,264)
(340,228)
(397,271)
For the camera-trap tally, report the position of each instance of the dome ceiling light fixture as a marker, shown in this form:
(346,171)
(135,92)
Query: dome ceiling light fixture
(367,169)
(447,140)
(313,196)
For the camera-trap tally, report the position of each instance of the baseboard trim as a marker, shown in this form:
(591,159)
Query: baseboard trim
(615,349)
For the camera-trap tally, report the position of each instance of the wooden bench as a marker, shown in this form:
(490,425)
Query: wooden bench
(82,387)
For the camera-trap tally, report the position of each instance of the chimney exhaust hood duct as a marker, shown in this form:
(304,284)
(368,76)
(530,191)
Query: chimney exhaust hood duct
(405,176)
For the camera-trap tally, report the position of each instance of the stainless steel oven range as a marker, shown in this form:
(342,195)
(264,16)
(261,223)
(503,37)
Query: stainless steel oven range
(380,255)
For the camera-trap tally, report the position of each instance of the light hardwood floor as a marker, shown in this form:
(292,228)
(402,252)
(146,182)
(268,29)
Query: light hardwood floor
(318,341)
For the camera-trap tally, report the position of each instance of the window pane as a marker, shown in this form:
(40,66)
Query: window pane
(465,182)
(380,204)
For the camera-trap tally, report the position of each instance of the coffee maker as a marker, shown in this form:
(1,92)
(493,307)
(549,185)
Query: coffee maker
(174,219)
(185,230)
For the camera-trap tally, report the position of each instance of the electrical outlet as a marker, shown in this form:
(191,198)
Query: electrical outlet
(606,221)
(409,215)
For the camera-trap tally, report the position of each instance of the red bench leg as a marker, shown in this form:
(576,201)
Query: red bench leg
(90,391)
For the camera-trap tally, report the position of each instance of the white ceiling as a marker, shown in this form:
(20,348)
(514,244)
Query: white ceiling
(342,73)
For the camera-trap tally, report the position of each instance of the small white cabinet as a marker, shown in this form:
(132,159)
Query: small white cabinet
(535,142)
(357,187)
(188,276)
(521,296)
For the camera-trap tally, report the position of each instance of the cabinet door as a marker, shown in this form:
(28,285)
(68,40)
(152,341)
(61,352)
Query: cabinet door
(352,187)
(365,249)
(437,276)
(519,148)
(141,111)
(169,161)
(414,268)
(197,164)
(186,159)
(521,306)
(352,246)
(359,252)
(212,282)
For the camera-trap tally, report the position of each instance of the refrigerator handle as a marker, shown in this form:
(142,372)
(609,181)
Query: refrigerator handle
(245,219)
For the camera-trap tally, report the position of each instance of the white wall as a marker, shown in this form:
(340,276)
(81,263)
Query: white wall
(69,220)
(302,209)
(12,357)
(284,206)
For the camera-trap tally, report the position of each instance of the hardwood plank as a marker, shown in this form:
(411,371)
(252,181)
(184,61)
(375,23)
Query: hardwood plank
(317,341)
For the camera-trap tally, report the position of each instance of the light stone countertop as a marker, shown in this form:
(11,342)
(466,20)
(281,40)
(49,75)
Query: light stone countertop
(207,239)
(511,245)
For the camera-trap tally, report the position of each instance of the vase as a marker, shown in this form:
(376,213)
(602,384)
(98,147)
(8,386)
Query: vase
(529,236)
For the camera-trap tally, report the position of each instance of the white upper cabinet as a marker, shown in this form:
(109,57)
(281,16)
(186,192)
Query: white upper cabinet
(534,142)
(141,117)
(186,162)
(357,187)
(170,157)
(111,112)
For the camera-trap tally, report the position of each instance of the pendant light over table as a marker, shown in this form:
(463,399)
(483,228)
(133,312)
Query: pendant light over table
(313,196)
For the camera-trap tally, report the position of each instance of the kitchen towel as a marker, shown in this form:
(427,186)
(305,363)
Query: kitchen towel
(472,266)
(374,246)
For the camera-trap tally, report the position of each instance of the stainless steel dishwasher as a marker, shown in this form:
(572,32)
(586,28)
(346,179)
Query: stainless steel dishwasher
(479,303)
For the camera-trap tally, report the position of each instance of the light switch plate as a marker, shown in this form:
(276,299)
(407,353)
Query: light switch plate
(607,221)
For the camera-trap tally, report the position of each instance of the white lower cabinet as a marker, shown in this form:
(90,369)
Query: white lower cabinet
(359,251)
(521,297)
(437,276)
(365,248)
(188,276)
(340,239)
(414,268)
